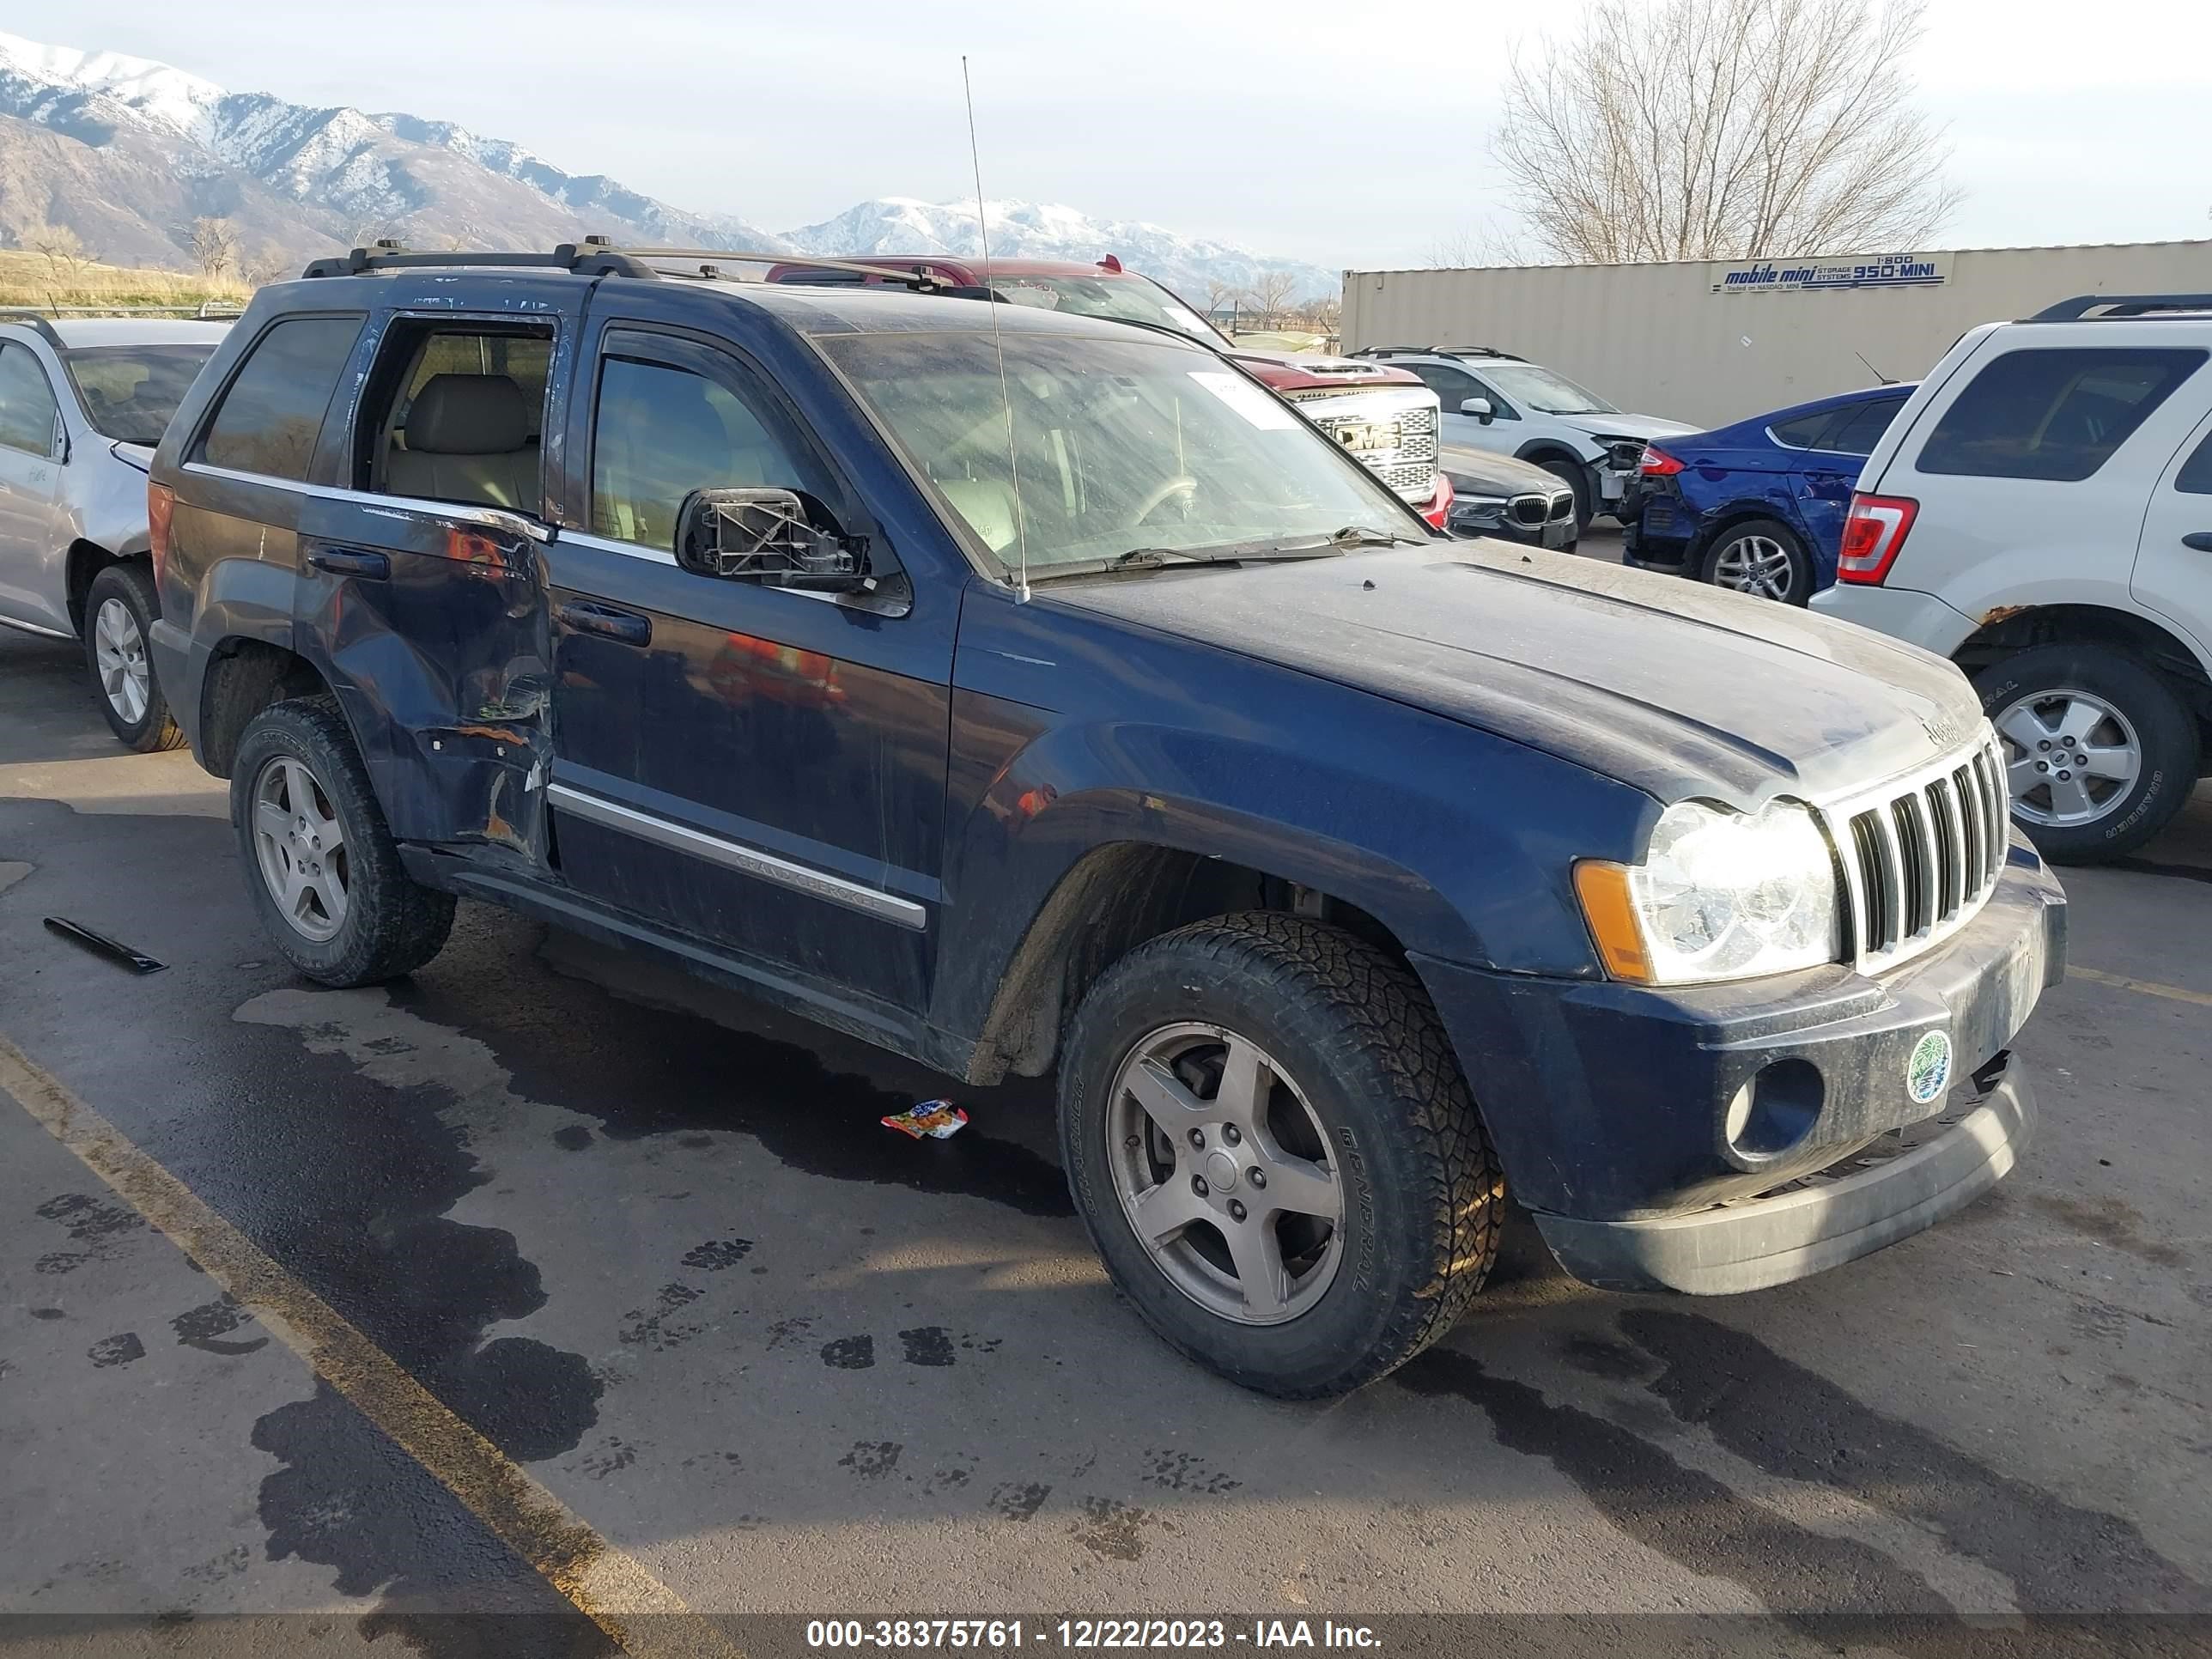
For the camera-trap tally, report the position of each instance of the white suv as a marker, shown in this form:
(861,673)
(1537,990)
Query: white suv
(1496,401)
(82,406)
(2040,511)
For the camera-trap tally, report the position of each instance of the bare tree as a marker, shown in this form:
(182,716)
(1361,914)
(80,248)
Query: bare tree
(213,244)
(1724,129)
(1270,295)
(266,264)
(1219,293)
(64,250)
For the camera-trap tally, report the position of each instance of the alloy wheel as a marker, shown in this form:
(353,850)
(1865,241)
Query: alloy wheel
(1223,1170)
(1756,564)
(2070,756)
(119,651)
(299,846)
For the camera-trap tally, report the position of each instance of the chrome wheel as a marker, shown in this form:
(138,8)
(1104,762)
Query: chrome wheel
(1756,564)
(118,650)
(2070,756)
(299,846)
(1222,1168)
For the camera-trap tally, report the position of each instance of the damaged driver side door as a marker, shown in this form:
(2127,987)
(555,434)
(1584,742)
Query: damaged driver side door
(425,578)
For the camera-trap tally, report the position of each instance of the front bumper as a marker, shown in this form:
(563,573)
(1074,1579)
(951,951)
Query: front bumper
(1610,1103)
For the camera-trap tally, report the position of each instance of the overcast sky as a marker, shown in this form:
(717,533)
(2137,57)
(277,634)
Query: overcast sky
(1336,132)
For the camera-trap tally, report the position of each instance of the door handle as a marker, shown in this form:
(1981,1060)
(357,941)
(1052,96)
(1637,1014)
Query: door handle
(2199,539)
(627,626)
(352,562)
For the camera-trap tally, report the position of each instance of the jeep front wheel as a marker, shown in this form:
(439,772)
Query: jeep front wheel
(320,865)
(1268,1137)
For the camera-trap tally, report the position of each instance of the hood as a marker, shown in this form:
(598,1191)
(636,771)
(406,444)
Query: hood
(1285,372)
(1680,691)
(1478,471)
(1646,427)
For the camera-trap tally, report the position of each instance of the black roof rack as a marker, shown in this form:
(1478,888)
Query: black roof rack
(1434,351)
(32,319)
(2113,307)
(596,255)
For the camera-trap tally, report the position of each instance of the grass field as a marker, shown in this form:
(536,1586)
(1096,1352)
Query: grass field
(31,279)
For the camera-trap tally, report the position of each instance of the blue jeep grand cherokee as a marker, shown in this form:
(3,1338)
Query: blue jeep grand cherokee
(1350,878)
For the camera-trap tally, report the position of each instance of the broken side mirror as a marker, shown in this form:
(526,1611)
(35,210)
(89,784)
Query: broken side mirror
(776,536)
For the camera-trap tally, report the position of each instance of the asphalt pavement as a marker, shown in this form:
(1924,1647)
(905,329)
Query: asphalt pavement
(546,1279)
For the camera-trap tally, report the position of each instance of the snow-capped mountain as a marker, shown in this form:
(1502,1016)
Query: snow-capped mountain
(1032,230)
(127,152)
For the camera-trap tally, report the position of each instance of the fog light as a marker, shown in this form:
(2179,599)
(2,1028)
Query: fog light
(1775,1109)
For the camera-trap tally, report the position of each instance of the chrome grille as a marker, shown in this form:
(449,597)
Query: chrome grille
(1408,475)
(1531,510)
(1921,855)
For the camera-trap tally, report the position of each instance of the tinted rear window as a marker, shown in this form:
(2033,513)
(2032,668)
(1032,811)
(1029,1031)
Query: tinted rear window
(2057,414)
(1857,430)
(2195,474)
(1803,432)
(271,417)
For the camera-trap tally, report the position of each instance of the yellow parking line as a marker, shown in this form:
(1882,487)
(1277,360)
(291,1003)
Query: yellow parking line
(609,1586)
(2148,988)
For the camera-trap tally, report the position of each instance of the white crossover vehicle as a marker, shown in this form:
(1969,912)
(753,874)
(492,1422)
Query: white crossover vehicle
(1496,401)
(82,406)
(2040,511)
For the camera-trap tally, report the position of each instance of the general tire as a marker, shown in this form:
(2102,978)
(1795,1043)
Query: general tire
(1577,477)
(2167,735)
(1798,589)
(1424,1195)
(392,925)
(131,587)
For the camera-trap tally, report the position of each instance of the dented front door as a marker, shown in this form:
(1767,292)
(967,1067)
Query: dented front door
(435,618)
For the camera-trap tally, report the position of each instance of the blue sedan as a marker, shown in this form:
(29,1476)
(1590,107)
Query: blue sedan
(1757,507)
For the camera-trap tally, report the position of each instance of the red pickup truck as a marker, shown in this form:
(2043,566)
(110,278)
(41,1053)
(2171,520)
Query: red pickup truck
(1384,415)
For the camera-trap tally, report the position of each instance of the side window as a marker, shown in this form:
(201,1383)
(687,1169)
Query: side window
(28,413)
(270,419)
(2056,414)
(1452,386)
(2195,477)
(1857,429)
(455,413)
(1804,432)
(660,432)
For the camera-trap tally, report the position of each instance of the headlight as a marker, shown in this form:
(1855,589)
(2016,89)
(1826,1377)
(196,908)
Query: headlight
(1486,512)
(1719,895)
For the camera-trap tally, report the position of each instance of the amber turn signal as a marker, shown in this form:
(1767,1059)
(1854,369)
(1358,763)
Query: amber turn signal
(1603,887)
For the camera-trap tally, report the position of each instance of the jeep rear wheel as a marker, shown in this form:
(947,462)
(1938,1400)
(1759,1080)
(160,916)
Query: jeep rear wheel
(320,865)
(1270,1141)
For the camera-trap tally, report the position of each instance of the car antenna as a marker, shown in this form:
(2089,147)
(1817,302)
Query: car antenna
(1872,370)
(998,345)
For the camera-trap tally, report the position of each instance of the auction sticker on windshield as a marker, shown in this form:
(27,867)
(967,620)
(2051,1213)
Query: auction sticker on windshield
(1262,409)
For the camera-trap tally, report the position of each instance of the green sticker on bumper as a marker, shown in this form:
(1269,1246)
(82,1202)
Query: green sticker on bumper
(1928,1072)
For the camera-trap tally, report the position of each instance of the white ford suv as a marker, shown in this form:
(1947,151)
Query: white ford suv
(1496,401)
(2040,511)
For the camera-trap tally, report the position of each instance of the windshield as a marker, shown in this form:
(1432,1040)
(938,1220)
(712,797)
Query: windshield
(1546,392)
(1119,299)
(129,392)
(1121,445)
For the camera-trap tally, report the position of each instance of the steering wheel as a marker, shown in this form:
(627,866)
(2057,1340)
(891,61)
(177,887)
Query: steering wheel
(1185,486)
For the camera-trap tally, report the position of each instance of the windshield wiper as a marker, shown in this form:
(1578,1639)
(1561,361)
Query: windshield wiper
(1361,535)
(1149,558)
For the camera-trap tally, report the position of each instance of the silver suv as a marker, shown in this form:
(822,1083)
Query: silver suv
(82,406)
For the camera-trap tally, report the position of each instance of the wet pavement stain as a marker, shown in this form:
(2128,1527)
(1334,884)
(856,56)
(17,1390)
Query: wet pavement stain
(2111,1221)
(1018,1500)
(1679,1512)
(119,1350)
(677,1074)
(1794,1423)
(572,1139)
(204,1326)
(658,1329)
(871,1460)
(928,1345)
(349,1499)
(717,1254)
(1181,1471)
(1109,1529)
(846,1353)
